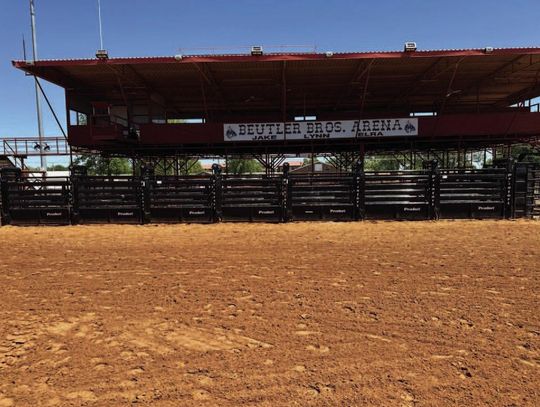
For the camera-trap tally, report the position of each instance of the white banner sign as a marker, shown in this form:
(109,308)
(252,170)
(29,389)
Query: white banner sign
(315,130)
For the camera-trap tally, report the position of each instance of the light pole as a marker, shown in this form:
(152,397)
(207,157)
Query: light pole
(43,159)
(100,26)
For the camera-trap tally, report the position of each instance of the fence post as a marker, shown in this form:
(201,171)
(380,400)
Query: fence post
(285,194)
(147,183)
(7,175)
(509,190)
(533,190)
(217,193)
(359,191)
(77,172)
(3,200)
(434,190)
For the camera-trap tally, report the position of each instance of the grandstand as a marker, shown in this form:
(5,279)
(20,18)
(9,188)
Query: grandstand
(420,105)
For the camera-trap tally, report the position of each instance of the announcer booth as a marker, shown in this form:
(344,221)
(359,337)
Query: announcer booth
(269,106)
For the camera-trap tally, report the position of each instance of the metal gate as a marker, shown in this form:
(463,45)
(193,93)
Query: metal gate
(513,191)
(34,201)
(115,199)
(473,194)
(179,199)
(398,195)
(251,198)
(321,197)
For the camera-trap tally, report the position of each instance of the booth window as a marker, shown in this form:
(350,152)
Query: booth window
(77,118)
(193,120)
(305,118)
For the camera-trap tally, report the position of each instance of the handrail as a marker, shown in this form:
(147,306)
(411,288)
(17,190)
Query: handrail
(30,146)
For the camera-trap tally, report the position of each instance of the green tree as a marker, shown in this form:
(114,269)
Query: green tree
(195,168)
(99,165)
(381,164)
(243,166)
(525,153)
(57,167)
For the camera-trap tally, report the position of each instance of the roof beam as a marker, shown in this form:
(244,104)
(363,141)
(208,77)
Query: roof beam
(366,83)
(449,91)
(522,95)
(67,81)
(433,72)
(475,86)
(207,75)
(151,89)
(361,70)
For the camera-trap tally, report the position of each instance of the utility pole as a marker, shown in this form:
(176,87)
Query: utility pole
(43,159)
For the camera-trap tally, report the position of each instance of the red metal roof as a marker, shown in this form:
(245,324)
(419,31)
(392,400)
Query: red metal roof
(294,83)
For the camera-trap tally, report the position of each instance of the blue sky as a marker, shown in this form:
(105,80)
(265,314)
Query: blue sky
(69,29)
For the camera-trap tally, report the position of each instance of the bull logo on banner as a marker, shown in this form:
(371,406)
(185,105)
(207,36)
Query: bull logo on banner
(231,133)
(409,127)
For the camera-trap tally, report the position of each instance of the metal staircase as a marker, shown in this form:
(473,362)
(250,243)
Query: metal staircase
(14,152)
(5,162)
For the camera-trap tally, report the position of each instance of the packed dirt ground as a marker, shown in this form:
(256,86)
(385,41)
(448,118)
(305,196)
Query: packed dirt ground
(348,314)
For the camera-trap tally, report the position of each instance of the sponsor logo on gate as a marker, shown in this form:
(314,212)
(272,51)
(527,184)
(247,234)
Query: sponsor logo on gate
(53,214)
(412,209)
(486,208)
(125,213)
(266,212)
(338,211)
(196,212)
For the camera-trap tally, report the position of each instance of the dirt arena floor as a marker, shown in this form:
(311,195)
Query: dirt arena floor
(344,314)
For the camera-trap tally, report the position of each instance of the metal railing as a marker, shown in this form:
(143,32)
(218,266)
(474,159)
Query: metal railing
(32,146)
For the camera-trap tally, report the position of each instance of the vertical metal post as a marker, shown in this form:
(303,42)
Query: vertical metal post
(509,190)
(7,176)
(434,190)
(3,201)
(217,193)
(43,159)
(285,194)
(359,191)
(147,181)
(78,173)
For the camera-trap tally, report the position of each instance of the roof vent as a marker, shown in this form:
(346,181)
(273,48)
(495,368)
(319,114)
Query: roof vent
(256,50)
(410,47)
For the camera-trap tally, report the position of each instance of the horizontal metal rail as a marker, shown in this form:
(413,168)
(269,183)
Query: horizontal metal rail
(32,146)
